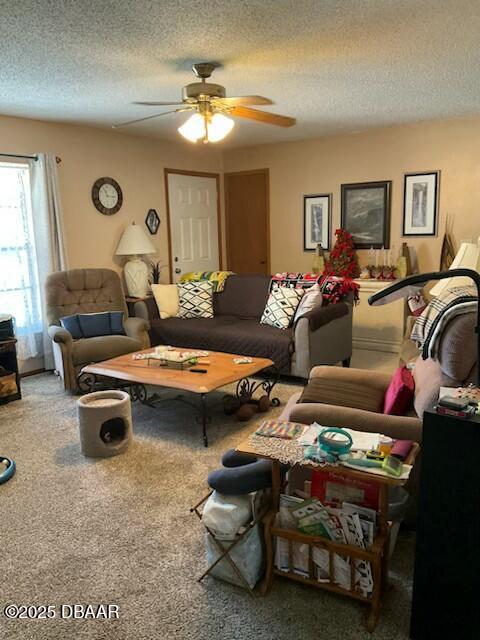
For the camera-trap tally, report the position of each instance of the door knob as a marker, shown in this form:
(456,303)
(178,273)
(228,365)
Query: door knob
(263,262)
(177,270)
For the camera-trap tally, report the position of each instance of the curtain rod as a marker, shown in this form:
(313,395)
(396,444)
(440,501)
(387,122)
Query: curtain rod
(16,155)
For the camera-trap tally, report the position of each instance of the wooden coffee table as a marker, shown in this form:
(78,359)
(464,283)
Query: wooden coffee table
(126,372)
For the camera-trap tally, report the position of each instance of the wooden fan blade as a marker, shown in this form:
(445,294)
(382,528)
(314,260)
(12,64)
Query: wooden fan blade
(155,115)
(158,104)
(263,116)
(235,101)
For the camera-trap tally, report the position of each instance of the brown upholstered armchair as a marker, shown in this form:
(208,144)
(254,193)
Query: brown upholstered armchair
(88,291)
(354,397)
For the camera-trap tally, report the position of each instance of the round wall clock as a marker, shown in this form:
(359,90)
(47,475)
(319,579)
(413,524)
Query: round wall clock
(107,196)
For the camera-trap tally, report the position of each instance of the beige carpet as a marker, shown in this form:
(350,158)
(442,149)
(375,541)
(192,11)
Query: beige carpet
(119,531)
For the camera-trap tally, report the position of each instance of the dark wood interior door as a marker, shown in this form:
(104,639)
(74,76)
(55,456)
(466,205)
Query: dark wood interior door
(247,221)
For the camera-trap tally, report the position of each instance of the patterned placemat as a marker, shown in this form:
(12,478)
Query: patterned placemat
(287,451)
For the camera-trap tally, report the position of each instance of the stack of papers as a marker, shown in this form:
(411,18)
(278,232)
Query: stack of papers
(362,441)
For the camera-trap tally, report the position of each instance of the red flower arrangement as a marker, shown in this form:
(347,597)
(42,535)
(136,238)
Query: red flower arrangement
(343,260)
(335,289)
(342,266)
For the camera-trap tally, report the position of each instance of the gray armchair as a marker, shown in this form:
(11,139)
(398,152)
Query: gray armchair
(88,291)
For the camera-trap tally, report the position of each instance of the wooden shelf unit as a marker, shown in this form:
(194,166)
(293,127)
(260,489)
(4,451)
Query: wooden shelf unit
(8,360)
(377,555)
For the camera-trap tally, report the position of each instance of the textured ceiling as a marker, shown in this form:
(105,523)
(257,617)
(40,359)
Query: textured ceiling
(342,65)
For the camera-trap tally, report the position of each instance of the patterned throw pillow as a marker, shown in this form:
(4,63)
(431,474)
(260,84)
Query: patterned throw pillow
(281,306)
(195,300)
(293,280)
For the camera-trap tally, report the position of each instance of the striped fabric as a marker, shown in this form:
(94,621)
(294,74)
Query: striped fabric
(284,430)
(429,326)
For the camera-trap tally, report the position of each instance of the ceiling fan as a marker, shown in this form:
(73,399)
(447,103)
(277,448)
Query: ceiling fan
(211,107)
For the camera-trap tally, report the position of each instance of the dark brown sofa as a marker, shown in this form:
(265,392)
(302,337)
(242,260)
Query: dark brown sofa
(323,336)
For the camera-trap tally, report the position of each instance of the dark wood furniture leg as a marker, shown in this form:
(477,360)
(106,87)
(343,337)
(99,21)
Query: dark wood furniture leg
(268,523)
(204,417)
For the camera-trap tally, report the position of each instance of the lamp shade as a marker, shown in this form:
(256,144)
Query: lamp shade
(468,257)
(212,128)
(134,241)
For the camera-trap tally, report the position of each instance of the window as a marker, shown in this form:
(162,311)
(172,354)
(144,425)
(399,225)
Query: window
(19,281)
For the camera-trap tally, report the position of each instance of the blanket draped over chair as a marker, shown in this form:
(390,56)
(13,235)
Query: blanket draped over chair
(217,278)
(429,326)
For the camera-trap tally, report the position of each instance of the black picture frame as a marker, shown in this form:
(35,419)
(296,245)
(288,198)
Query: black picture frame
(375,223)
(430,226)
(152,221)
(309,244)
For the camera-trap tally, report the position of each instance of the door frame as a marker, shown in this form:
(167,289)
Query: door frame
(196,174)
(266,172)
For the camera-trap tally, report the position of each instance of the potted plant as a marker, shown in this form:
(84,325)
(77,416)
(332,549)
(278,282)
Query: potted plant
(155,271)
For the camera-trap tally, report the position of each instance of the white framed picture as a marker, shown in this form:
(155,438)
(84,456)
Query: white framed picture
(420,203)
(316,221)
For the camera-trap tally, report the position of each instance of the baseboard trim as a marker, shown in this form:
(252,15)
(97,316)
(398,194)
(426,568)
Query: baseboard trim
(371,344)
(34,372)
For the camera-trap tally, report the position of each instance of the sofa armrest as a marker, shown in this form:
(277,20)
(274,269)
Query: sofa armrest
(321,315)
(146,309)
(343,387)
(60,335)
(329,343)
(137,328)
(397,427)
(378,380)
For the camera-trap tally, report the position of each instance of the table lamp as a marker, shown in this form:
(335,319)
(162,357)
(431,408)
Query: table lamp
(135,243)
(468,257)
(413,284)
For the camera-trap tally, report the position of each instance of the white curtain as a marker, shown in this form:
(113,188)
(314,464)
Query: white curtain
(48,233)
(19,281)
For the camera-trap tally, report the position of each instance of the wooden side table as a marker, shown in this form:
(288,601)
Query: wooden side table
(131,303)
(377,554)
(9,369)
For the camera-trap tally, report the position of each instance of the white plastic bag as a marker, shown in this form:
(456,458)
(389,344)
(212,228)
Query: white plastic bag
(246,554)
(225,515)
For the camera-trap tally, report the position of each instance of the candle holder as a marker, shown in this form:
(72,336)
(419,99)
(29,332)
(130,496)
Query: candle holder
(376,272)
(389,272)
(366,272)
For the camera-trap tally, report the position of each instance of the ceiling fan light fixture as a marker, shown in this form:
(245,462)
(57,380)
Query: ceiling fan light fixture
(204,126)
(219,127)
(194,128)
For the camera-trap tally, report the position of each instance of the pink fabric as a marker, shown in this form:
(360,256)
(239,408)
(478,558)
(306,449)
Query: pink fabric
(399,394)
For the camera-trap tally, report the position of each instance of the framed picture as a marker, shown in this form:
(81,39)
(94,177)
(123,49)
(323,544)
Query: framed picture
(316,221)
(420,203)
(366,213)
(152,221)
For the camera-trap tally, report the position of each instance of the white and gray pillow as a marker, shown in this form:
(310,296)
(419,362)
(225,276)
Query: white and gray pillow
(281,306)
(195,300)
(311,298)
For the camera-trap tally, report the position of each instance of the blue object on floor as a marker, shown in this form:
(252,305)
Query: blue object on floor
(9,471)
(233,458)
(242,473)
